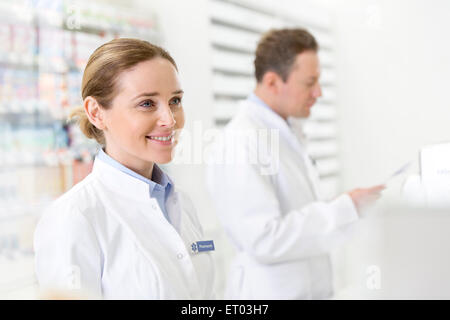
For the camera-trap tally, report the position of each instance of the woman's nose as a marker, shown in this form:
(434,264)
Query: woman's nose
(166,117)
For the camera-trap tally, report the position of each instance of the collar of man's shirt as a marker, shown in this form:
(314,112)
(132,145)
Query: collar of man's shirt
(294,125)
(257,100)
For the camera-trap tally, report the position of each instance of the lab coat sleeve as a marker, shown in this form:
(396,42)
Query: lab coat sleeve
(249,210)
(67,254)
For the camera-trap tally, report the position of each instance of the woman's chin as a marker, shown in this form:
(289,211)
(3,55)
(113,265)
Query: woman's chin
(163,159)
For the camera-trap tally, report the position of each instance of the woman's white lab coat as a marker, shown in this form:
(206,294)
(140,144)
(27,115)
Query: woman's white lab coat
(106,237)
(271,210)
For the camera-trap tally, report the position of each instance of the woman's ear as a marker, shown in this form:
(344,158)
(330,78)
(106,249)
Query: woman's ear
(94,112)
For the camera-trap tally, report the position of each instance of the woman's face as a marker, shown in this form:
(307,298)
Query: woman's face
(143,124)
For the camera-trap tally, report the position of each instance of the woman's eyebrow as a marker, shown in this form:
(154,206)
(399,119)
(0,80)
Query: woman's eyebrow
(151,94)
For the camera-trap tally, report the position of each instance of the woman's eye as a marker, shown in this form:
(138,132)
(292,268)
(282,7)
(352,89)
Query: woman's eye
(147,104)
(176,101)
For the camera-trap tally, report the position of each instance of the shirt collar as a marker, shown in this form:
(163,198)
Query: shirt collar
(258,101)
(159,179)
(293,133)
(254,98)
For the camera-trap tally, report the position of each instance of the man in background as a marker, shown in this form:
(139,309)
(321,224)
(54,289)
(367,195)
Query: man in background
(281,228)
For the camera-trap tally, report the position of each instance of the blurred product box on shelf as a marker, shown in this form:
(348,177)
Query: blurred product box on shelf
(45,46)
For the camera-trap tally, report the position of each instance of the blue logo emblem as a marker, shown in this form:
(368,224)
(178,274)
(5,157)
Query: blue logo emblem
(202,246)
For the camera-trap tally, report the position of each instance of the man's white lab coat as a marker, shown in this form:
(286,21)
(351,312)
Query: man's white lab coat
(266,194)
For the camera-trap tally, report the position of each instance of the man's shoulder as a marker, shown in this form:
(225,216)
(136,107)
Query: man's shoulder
(245,119)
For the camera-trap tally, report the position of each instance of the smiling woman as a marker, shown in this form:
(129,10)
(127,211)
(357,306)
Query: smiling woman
(126,231)
(132,101)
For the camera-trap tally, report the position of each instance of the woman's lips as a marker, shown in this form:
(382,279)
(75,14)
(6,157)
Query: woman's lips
(164,139)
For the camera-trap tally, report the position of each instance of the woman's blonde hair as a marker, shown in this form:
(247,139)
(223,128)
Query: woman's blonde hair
(102,71)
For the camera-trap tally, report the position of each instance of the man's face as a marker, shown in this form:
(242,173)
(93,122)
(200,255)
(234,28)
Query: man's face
(300,91)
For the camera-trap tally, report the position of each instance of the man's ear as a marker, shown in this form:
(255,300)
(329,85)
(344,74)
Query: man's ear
(271,81)
(94,112)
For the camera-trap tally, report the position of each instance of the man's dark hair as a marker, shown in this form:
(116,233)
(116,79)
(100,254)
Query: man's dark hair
(277,50)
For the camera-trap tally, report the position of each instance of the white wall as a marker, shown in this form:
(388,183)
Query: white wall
(393,69)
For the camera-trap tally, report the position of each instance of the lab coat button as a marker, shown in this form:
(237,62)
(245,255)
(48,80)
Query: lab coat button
(180,256)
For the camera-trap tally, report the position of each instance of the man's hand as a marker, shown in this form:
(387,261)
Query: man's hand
(363,197)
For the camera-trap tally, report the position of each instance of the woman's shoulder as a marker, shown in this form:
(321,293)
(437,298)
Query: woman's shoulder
(65,236)
(75,201)
(79,194)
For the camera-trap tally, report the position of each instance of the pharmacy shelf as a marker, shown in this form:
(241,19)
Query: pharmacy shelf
(233,39)
(326,59)
(323,112)
(17,273)
(225,109)
(232,85)
(241,63)
(320,130)
(327,167)
(328,95)
(327,78)
(45,46)
(315,20)
(240,17)
(328,186)
(322,149)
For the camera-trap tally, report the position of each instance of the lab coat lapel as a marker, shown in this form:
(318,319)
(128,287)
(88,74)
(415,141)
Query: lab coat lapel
(179,219)
(291,136)
(180,222)
(311,171)
(133,206)
(145,222)
(136,193)
(151,231)
(174,210)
